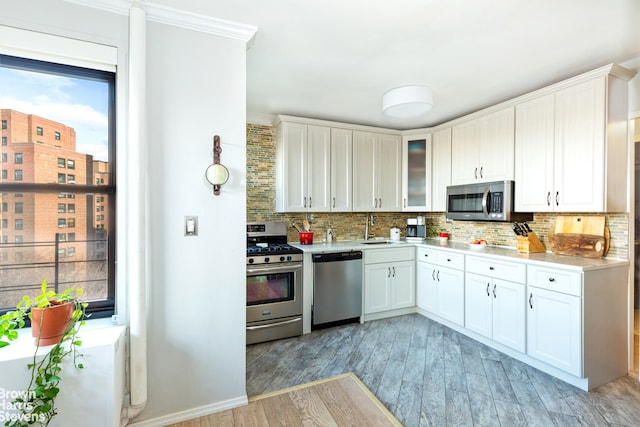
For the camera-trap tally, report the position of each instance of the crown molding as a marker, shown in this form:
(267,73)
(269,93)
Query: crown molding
(177,18)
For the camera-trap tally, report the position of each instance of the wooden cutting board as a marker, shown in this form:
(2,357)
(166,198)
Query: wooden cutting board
(585,236)
(593,225)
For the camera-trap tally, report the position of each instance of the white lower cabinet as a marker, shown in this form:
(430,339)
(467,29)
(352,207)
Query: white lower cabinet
(495,308)
(440,290)
(389,279)
(554,329)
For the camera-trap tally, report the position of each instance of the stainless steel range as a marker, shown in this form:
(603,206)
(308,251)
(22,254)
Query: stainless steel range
(274,283)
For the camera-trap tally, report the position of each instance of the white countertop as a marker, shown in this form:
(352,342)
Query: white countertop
(541,258)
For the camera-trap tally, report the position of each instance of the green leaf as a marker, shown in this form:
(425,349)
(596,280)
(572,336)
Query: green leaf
(52,392)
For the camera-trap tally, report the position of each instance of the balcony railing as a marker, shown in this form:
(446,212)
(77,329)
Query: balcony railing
(64,264)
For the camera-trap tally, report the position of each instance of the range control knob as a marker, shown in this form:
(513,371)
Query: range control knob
(281,258)
(266,259)
(250,260)
(288,257)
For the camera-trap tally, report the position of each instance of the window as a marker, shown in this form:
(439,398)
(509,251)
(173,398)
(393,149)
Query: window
(5,239)
(5,223)
(4,124)
(93,154)
(18,224)
(19,239)
(4,174)
(19,207)
(4,157)
(17,174)
(17,194)
(4,140)
(5,206)
(17,158)
(62,252)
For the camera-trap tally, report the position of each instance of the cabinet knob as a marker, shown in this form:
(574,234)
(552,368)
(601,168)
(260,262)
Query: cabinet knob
(491,268)
(551,279)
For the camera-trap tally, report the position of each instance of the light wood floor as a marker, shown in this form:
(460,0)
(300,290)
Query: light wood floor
(429,375)
(337,401)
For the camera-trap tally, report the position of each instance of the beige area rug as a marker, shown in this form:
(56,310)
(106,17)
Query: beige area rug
(339,401)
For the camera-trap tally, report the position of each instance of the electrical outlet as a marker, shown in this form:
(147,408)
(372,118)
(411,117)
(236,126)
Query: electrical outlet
(190,225)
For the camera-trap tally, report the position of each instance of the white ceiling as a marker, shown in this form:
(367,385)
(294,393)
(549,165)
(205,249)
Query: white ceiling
(333,59)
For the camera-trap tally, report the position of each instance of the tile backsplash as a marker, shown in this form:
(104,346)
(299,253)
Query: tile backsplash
(351,226)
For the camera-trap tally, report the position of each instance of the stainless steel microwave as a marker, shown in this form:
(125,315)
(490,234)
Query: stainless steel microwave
(486,201)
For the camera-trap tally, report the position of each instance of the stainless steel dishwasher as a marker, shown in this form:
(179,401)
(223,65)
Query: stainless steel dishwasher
(337,286)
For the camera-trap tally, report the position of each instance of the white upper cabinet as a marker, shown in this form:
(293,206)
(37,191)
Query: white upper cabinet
(303,165)
(571,147)
(377,162)
(341,170)
(441,170)
(483,148)
(416,173)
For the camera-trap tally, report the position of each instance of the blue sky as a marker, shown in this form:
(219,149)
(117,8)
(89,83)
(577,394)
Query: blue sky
(78,103)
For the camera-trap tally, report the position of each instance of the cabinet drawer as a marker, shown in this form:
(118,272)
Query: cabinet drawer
(429,255)
(451,259)
(505,270)
(568,282)
(374,256)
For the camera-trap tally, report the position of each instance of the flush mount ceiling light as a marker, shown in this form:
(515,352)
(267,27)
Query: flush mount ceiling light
(407,101)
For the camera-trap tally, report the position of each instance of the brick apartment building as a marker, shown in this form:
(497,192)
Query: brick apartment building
(36,150)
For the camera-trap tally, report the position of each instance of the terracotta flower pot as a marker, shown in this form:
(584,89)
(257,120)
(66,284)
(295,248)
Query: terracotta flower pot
(50,323)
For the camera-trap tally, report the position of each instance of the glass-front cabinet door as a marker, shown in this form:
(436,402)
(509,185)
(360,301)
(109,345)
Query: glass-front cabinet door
(416,170)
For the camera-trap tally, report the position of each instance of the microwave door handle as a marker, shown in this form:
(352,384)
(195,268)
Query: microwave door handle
(485,201)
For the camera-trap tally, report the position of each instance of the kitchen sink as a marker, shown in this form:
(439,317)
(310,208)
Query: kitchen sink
(377,242)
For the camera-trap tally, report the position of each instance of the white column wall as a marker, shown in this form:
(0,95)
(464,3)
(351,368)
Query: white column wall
(196,296)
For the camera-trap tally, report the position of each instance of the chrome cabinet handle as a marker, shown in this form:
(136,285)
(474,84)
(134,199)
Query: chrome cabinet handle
(309,202)
(557,198)
(475,173)
(305,202)
(488,290)
(380,202)
(438,275)
(404,202)
(388,271)
(394,271)
(375,202)
(481,173)
(494,291)
(530,303)
(548,198)
(334,202)
(433,275)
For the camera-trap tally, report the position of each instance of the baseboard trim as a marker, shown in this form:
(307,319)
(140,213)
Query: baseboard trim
(189,414)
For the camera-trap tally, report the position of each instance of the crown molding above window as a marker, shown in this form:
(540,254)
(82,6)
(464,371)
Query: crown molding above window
(177,18)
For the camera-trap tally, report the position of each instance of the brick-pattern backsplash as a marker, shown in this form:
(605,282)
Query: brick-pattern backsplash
(351,226)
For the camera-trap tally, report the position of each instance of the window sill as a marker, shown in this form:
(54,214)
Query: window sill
(95,333)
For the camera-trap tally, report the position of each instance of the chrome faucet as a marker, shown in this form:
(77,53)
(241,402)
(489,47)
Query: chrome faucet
(368,219)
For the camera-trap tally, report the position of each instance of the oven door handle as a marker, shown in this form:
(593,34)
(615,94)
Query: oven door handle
(269,268)
(272,325)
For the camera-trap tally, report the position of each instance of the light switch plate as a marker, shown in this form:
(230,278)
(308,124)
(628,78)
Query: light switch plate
(190,225)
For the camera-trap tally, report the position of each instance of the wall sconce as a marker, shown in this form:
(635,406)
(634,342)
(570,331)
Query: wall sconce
(217,174)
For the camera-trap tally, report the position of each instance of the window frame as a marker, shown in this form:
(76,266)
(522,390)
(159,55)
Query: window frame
(97,308)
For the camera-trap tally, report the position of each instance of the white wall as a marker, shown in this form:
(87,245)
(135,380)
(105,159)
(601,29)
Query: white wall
(196,308)
(196,345)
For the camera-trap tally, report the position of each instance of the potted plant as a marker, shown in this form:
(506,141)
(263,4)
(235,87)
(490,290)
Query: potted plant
(36,405)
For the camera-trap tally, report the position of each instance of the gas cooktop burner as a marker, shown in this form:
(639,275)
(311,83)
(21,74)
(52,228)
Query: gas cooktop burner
(273,249)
